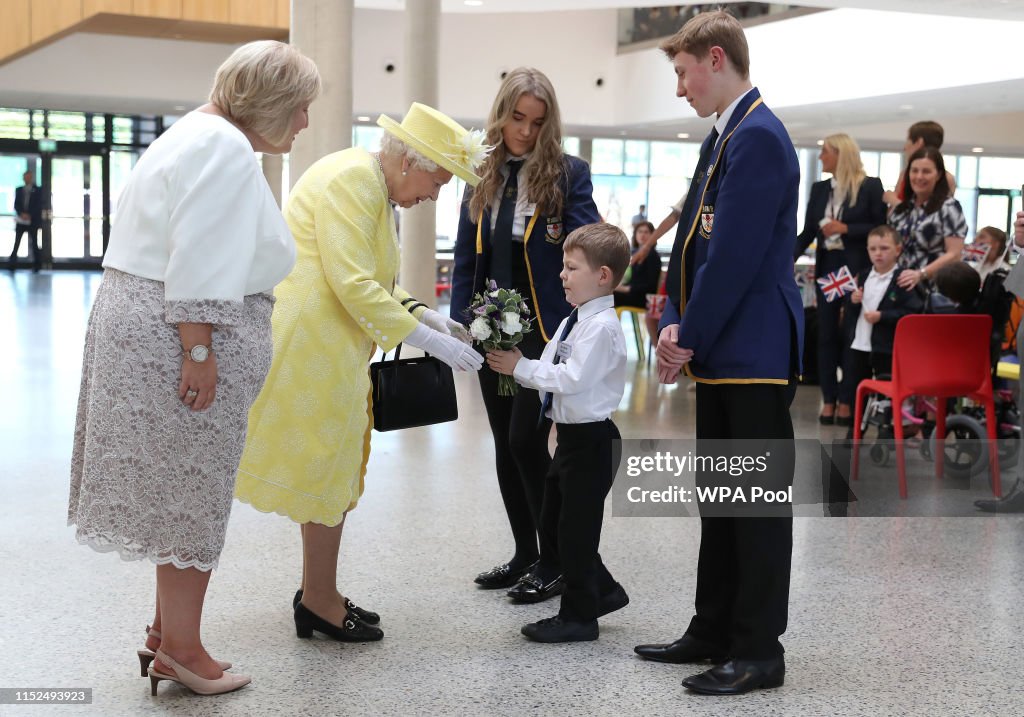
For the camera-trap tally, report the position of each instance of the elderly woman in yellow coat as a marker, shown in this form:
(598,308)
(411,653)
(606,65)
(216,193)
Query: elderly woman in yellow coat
(309,430)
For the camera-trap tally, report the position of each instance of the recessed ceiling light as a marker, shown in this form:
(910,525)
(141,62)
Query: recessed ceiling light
(977,150)
(622,132)
(683,135)
(906,107)
(821,143)
(362,118)
(179,107)
(474,3)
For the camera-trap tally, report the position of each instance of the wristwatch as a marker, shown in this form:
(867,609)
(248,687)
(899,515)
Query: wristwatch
(198,353)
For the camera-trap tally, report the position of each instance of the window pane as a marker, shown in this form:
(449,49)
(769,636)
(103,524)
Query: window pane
(870,162)
(889,167)
(993,211)
(967,172)
(606,156)
(618,197)
(67,126)
(14,124)
(571,145)
(447,218)
(123,133)
(367,137)
(1000,172)
(672,159)
(636,158)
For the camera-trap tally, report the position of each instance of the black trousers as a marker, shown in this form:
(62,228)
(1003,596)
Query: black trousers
(522,461)
(33,245)
(742,598)
(577,484)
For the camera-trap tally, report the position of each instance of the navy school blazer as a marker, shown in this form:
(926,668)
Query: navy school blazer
(868,212)
(896,303)
(739,308)
(542,246)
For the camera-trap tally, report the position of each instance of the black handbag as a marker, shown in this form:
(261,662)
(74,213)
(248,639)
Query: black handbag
(411,392)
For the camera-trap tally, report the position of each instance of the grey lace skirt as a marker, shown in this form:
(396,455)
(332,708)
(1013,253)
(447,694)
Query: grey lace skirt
(151,479)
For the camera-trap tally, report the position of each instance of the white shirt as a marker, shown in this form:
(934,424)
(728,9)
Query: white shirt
(874,289)
(588,384)
(524,208)
(723,119)
(198,215)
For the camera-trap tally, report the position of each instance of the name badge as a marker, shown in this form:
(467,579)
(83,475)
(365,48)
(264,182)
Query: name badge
(564,350)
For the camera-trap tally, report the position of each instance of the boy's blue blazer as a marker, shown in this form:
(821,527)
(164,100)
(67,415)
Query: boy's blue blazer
(542,245)
(738,305)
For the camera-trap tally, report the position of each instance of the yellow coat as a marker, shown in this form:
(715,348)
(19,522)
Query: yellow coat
(309,430)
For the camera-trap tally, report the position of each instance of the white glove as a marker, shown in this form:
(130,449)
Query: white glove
(450,350)
(445,325)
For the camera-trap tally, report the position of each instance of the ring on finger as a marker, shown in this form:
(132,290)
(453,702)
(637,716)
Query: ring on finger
(191,393)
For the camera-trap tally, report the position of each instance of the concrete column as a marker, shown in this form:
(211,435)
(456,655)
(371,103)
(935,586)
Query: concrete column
(272,170)
(418,227)
(586,149)
(322,30)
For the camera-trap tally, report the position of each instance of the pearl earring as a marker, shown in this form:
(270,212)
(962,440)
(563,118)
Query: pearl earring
(405,173)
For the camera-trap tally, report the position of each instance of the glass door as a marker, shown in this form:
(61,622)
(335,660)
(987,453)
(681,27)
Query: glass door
(12,170)
(76,221)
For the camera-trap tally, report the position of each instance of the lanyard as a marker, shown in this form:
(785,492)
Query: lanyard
(836,214)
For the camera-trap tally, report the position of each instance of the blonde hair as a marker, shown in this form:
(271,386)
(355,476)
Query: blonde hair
(849,172)
(544,169)
(707,30)
(262,84)
(602,244)
(394,147)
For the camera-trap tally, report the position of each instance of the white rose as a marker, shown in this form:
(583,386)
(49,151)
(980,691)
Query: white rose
(510,323)
(480,328)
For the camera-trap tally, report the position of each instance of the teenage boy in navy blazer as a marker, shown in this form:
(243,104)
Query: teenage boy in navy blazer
(734,323)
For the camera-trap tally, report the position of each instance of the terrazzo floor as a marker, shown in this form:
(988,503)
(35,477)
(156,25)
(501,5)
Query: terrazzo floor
(888,616)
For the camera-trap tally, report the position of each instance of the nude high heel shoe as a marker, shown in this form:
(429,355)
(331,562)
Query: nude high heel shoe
(146,655)
(227,682)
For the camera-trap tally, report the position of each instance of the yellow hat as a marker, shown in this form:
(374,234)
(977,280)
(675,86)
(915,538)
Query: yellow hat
(441,140)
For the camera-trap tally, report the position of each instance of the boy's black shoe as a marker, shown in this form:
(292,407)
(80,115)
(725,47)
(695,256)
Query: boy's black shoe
(555,629)
(736,677)
(501,576)
(532,589)
(611,601)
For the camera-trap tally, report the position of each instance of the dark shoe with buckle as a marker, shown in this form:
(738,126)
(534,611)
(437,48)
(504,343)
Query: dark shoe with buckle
(616,599)
(736,677)
(555,629)
(502,576)
(532,589)
(686,649)
(367,616)
(352,629)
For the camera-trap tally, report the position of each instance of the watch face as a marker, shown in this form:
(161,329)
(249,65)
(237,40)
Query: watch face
(199,353)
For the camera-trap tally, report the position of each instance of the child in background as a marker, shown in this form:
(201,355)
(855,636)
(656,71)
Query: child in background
(873,310)
(995,260)
(583,377)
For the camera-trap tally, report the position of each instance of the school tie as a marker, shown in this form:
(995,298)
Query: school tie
(573,316)
(501,237)
(673,281)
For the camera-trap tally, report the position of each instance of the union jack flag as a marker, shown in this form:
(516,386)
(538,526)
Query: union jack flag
(973,252)
(837,284)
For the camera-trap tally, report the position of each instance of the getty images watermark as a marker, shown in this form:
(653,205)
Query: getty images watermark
(804,478)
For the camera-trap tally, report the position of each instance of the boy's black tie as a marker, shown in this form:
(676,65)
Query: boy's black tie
(501,237)
(558,359)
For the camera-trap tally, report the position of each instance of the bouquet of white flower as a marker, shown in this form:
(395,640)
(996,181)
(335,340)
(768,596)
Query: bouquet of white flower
(500,317)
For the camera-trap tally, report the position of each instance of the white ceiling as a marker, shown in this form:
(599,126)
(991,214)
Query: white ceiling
(993,9)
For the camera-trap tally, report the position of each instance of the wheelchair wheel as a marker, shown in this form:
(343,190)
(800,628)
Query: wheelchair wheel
(965,448)
(879,454)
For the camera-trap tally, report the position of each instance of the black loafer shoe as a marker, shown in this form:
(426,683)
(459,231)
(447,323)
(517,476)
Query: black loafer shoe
(531,589)
(501,576)
(555,629)
(367,616)
(685,649)
(736,677)
(352,629)
(1012,502)
(612,601)
(826,420)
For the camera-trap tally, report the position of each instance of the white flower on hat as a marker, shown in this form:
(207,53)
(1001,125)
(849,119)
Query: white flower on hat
(471,150)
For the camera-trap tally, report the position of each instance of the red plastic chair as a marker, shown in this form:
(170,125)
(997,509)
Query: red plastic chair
(935,355)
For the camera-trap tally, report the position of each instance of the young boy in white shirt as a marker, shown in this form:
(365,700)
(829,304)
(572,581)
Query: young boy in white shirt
(582,376)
